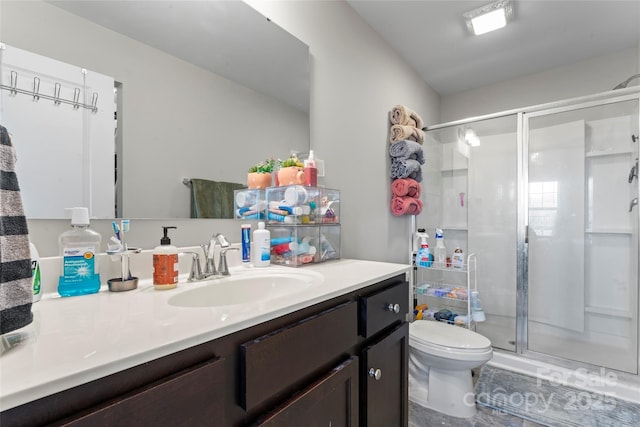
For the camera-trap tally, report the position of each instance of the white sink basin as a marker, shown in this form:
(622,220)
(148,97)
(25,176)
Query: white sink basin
(245,288)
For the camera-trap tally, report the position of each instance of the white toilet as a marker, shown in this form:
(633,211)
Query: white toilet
(441,357)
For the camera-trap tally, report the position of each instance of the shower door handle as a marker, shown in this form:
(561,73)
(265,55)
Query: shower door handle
(633,203)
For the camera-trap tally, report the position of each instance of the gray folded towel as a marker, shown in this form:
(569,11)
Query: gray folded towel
(213,199)
(16,295)
(407,150)
(406,168)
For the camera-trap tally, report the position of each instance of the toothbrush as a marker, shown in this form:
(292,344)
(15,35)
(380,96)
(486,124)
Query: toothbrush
(116,230)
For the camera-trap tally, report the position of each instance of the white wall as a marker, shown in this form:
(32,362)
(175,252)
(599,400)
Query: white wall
(587,77)
(356,78)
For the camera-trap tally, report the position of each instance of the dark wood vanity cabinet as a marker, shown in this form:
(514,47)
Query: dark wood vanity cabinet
(342,362)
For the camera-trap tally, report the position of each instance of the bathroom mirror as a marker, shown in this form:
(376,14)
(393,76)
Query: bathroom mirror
(205,89)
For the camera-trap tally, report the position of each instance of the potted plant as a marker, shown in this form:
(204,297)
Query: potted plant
(259,176)
(291,172)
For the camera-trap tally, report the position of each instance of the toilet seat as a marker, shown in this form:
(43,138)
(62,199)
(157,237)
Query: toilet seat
(438,337)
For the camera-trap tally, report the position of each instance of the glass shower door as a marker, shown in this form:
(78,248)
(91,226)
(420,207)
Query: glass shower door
(582,233)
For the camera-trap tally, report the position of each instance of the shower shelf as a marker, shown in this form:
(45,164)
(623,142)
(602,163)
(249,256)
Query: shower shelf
(605,311)
(602,153)
(608,231)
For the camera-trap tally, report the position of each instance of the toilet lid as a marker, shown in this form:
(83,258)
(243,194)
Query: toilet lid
(429,332)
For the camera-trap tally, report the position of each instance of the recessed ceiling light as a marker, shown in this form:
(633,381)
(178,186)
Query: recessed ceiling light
(489,17)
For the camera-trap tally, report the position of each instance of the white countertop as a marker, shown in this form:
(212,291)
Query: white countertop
(75,340)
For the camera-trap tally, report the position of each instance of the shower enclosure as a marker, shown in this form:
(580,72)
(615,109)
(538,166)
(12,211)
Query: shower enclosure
(546,197)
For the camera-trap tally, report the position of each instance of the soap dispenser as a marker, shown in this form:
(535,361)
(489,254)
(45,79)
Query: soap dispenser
(165,263)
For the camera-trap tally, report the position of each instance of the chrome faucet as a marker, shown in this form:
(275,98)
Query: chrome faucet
(217,239)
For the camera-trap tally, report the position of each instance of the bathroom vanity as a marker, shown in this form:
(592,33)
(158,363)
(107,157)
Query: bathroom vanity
(334,353)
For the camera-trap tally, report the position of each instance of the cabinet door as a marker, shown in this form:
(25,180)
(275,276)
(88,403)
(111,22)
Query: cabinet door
(193,397)
(384,379)
(331,401)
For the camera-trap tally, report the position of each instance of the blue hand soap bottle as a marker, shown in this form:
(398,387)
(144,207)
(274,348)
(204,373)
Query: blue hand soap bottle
(78,249)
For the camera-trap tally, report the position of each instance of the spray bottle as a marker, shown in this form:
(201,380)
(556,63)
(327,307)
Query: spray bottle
(424,257)
(440,251)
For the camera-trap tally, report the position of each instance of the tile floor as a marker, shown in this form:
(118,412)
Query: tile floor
(485,417)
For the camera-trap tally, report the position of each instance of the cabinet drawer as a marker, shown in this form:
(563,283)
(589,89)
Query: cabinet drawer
(191,397)
(381,309)
(330,401)
(277,361)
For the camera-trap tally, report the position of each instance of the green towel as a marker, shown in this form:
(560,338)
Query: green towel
(213,199)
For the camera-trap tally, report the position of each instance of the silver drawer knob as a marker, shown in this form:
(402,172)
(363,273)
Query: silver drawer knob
(375,373)
(395,308)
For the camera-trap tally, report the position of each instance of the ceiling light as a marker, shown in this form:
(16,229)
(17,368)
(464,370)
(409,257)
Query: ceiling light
(489,17)
(471,138)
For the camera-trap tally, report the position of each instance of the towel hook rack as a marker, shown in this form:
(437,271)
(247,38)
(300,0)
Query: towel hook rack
(36,88)
(57,100)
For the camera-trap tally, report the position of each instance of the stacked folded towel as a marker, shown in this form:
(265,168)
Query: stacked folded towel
(405,206)
(401,115)
(406,187)
(400,132)
(404,150)
(406,138)
(406,168)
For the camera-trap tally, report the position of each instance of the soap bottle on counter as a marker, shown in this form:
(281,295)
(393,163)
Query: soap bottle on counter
(165,263)
(261,246)
(78,249)
(35,273)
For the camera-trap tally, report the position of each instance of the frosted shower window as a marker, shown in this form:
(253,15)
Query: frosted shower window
(72,145)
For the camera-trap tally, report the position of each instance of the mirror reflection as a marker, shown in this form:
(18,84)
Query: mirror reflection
(204,89)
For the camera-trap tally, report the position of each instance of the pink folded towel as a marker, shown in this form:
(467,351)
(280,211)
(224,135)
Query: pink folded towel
(401,115)
(405,206)
(406,187)
(402,132)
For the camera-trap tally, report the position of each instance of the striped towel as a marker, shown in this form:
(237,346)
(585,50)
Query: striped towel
(16,294)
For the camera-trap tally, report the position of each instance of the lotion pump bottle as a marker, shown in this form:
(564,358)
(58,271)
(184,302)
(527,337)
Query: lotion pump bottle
(78,249)
(262,246)
(165,263)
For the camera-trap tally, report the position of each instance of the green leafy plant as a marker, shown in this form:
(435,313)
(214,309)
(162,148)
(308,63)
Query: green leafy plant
(265,166)
(291,161)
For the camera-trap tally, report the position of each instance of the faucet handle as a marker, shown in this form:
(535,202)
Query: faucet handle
(195,272)
(223,267)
